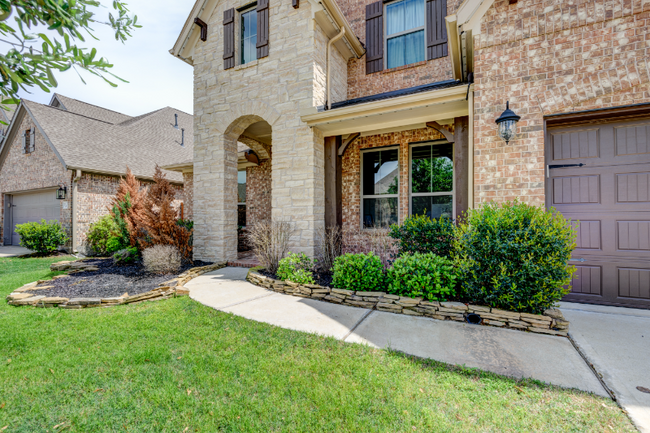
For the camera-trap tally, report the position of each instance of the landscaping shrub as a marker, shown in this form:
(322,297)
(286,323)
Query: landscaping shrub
(43,238)
(296,268)
(364,272)
(328,247)
(189,226)
(161,259)
(421,234)
(125,256)
(114,244)
(270,242)
(126,205)
(99,234)
(157,223)
(515,256)
(423,275)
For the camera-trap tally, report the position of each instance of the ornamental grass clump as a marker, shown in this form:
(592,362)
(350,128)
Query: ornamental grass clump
(423,275)
(363,272)
(270,242)
(421,234)
(296,268)
(515,256)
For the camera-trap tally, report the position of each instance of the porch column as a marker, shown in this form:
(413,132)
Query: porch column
(461,164)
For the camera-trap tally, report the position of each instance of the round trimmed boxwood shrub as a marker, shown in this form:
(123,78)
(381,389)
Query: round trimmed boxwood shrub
(44,237)
(421,234)
(363,272)
(423,275)
(296,268)
(515,256)
(99,235)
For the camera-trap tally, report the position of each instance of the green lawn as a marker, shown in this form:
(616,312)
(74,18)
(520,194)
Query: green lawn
(177,366)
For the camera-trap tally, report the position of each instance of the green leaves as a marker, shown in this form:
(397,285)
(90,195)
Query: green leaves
(423,275)
(421,234)
(515,256)
(296,268)
(44,237)
(33,59)
(363,272)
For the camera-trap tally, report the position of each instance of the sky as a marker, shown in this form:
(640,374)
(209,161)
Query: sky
(156,79)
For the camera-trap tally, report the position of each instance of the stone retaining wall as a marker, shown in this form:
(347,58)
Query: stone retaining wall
(551,322)
(168,289)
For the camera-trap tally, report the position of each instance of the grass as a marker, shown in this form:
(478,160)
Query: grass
(177,366)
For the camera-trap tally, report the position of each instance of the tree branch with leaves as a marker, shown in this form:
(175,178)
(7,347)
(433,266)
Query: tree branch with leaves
(32,58)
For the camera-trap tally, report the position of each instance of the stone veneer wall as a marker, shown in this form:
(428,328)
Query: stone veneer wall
(30,172)
(276,89)
(550,57)
(351,168)
(362,84)
(188,191)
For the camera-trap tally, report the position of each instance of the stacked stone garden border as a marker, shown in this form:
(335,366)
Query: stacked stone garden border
(172,288)
(552,322)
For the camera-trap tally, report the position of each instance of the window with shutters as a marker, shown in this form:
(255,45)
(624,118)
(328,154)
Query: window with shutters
(405,31)
(248,23)
(29,140)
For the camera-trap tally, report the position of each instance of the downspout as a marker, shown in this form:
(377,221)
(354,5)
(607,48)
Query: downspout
(74,210)
(329,62)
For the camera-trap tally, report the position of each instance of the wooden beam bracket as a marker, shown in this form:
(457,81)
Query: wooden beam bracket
(348,141)
(444,131)
(204,28)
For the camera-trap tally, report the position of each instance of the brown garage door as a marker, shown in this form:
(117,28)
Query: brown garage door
(610,197)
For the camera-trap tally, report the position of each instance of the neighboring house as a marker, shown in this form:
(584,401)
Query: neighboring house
(82,151)
(344,92)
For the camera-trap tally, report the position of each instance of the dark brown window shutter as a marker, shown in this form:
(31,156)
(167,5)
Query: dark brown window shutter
(375,37)
(229,38)
(436,29)
(262,28)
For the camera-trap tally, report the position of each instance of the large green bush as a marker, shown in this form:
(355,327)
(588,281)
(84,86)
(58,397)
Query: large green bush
(297,268)
(421,234)
(104,237)
(515,256)
(427,275)
(363,272)
(44,237)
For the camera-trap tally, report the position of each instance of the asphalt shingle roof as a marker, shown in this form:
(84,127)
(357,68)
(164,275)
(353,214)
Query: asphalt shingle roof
(86,138)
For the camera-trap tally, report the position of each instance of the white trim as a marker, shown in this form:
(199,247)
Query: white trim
(411,194)
(362,196)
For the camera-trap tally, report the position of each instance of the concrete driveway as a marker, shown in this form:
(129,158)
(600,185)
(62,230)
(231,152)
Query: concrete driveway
(512,353)
(13,251)
(617,342)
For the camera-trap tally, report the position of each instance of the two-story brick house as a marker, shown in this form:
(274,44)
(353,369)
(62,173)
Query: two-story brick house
(365,112)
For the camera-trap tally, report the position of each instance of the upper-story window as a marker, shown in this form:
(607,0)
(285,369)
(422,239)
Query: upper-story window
(248,23)
(404,33)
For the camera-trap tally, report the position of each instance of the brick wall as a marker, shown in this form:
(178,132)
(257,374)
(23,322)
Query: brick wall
(351,167)
(550,57)
(188,191)
(360,84)
(37,170)
(258,193)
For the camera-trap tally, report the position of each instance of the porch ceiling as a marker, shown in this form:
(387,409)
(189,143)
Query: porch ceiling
(395,112)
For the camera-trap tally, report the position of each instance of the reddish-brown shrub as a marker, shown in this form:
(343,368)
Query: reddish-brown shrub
(127,203)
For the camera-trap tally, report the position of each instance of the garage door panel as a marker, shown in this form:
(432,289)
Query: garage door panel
(588,234)
(587,280)
(632,139)
(576,189)
(34,207)
(633,235)
(633,187)
(634,283)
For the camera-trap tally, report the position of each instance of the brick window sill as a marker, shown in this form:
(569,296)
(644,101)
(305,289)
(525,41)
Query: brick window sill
(404,67)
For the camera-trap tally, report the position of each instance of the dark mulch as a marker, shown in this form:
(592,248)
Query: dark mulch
(322,278)
(109,281)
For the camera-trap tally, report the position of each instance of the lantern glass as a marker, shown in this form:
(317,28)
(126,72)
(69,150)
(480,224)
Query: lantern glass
(507,130)
(60,193)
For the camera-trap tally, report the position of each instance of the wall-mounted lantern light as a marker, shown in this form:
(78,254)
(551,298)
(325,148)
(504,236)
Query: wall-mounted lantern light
(60,193)
(507,124)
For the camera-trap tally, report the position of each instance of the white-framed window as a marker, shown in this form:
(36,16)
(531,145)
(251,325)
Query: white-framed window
(405,32)
(248,34)
(379,187)
(241,198)
(431,178)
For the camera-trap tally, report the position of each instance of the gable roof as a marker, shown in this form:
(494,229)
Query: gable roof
(94,144)
(86,109)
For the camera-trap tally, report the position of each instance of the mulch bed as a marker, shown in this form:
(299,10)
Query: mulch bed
(109,281)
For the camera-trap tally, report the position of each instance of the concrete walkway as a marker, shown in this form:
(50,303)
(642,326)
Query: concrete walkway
(13,251)
(617,342)
(512,353)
